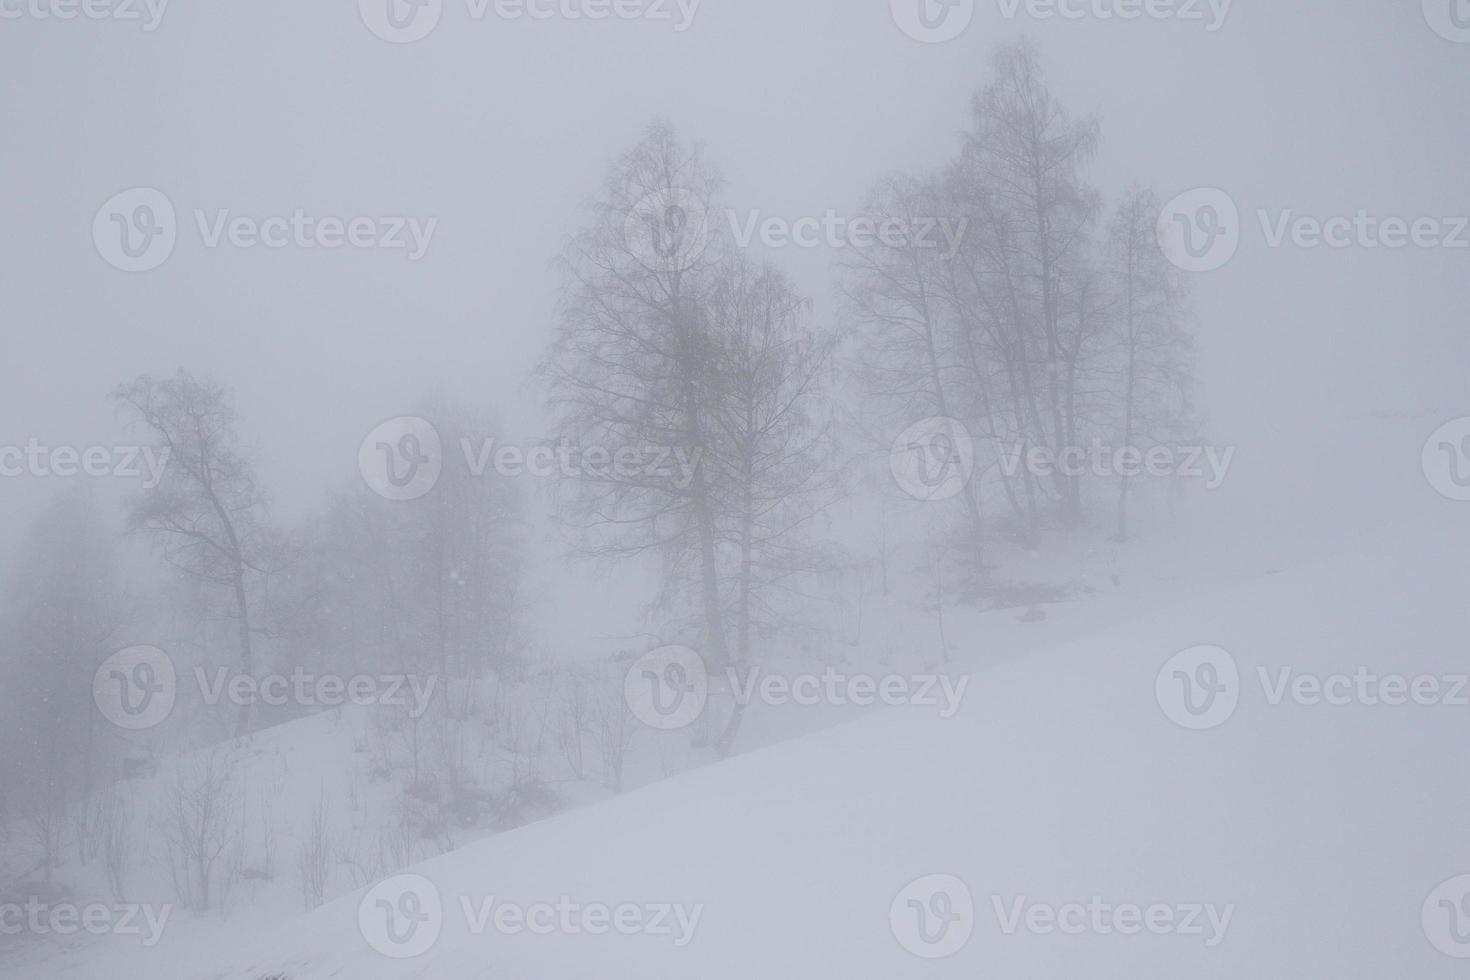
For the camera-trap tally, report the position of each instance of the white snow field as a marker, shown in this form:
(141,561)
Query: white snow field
(1074,818)
(1093,835)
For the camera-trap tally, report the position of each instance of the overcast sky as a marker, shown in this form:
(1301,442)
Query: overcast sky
(501,129)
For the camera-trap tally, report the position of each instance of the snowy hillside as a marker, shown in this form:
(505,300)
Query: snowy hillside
(1312,833)
(560,489)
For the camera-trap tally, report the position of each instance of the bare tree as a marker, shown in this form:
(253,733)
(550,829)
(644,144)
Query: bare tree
(113,826)
(900,315)
(771,452)
(313,856)
(65,610)
(575,719)
(1152,348)
(632,365)
(612,726)
(1013,331)
(670,337)
(198,822)
(1023,156)
(208,511)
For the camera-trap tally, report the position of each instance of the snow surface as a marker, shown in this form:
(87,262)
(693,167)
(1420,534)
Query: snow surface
(1323,830)
(1061,779)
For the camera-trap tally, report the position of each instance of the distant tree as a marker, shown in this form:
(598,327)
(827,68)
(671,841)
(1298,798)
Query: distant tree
(1022,157)
(208,512)
(65,611)
(634,363)
(907,355)
(1151,346)
(670,337)
(435,584)
(771,452)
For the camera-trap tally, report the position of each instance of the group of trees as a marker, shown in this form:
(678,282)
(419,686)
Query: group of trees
(65,609)
(672,339)
(1045,325)
(366,586)
(1049,322)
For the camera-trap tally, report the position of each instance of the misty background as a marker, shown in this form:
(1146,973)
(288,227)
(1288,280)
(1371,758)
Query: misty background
(502,129)
(1321,370)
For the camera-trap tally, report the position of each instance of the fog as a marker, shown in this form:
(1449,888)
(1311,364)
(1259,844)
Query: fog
(487,148)
(501,130)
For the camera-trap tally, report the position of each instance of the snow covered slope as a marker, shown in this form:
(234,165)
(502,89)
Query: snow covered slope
(1094,836)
